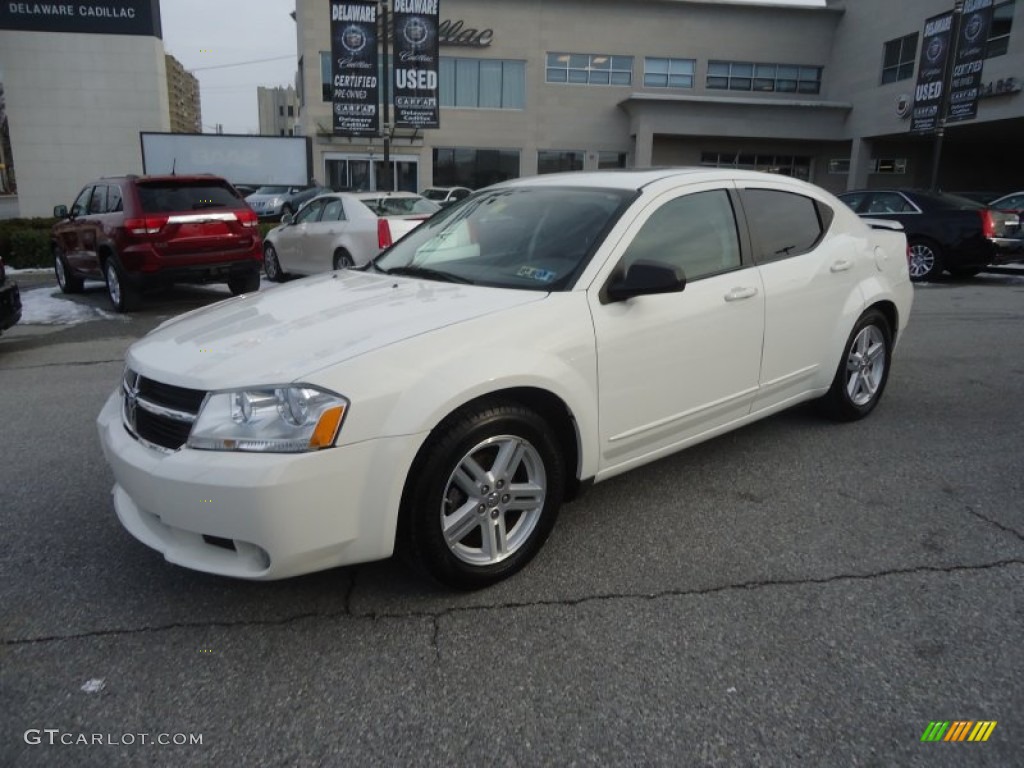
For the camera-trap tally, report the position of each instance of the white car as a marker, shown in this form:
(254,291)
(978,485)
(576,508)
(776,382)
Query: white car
(332,231)
(446,195)
(444,401)
(402,212)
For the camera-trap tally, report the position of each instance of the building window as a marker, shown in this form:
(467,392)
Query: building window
(748,76)
(474,168)
(607,160)
(280,111)
(898,57)
(327,89)
(300,82)
(291,111)
(482,83)
(796,166)
(839,166)
(888,165)
(669,73)
(999,32)
(558,160)
(589,69)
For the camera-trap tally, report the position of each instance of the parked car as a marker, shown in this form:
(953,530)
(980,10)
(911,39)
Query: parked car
(274,201)
(329,232)
(977,195)
(1011,203)
(10,300)
(137,232)
(401,212)
(446,399)
(945,232)
(244,190)
(446,195)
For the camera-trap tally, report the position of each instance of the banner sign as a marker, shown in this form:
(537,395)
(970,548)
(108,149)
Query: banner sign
(416,63)
(938,34)
(355,71)
(96,17)
(965,86)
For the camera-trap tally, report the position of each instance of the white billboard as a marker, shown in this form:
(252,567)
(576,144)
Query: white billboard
(252,160)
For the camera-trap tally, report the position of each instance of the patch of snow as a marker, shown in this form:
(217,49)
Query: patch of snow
(48,306)
(94,686)
(29,271)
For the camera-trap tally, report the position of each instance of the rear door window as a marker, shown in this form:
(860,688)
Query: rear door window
(784,224)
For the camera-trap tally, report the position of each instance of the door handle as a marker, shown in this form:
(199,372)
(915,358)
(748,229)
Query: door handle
(841,265)
(740,293)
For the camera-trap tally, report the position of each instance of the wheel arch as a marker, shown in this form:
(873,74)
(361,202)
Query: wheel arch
(891,314)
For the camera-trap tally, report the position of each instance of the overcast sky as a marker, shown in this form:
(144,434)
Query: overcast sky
(213,33)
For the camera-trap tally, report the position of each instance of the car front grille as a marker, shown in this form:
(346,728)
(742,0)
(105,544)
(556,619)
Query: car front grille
(158,414)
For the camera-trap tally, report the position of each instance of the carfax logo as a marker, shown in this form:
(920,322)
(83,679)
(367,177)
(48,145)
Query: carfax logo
(935,49)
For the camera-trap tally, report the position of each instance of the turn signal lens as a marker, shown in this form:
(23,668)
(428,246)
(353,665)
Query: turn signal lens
(327,428)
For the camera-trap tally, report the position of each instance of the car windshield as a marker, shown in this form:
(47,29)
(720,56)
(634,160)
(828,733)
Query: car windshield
(271,191)
(534,238)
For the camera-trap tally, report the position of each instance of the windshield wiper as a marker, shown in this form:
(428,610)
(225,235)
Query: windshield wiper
(428,273)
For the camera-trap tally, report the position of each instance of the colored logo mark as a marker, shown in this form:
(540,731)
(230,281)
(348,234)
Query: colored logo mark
(958,730)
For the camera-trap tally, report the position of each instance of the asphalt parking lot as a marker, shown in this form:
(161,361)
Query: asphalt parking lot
(794,593)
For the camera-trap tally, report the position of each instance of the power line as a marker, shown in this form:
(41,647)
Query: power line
(242,63)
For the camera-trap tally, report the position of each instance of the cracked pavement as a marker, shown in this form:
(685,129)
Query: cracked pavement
(794,593)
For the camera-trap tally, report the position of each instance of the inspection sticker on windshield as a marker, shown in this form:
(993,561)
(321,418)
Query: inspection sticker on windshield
(536,273)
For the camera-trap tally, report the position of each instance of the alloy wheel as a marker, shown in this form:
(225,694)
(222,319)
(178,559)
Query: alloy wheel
(865,365)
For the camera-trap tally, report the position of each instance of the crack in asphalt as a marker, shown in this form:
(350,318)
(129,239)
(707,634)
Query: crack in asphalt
(436,616)
(1008,529)
(60,364)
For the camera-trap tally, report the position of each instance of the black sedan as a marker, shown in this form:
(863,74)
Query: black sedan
(944,232)
(10,300)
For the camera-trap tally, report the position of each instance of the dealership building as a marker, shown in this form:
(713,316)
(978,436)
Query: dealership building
(823,90)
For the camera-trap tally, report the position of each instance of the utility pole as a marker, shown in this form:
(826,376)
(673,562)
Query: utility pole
(386,48)
(944,103)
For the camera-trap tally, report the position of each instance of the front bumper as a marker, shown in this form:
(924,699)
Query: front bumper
(258,516)
(10,305)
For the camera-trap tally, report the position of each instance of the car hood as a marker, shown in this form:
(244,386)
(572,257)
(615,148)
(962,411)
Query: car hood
(287,333)
(264,198)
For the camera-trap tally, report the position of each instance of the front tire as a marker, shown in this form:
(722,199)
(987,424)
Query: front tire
(863,369)
(483,495)
(66,279)
(926,261)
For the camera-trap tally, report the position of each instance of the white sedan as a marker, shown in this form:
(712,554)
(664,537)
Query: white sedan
(331,231)
(445,400)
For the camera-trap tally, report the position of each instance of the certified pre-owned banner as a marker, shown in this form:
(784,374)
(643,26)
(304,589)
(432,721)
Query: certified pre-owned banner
(931,72)
(416,63)
(355,72)
(970,57)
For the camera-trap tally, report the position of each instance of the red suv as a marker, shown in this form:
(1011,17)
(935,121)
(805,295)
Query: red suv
(137,232)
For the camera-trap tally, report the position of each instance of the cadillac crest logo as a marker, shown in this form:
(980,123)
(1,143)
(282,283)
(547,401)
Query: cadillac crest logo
(416,32)
(353,39)
(935,49)
(973,27)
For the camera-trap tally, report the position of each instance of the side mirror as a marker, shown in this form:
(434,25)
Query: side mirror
(60,211)
(286,219)
(645,278)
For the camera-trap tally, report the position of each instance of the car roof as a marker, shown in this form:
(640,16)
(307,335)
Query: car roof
(636,179)
(382,193)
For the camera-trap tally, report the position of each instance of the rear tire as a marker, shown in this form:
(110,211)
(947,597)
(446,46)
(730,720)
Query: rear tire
(343,259)
(124,297)
(244,282)
(482,496)
(271,264)
(863,369)
(66,279)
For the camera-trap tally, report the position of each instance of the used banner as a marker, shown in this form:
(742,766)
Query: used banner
(931,72)
(355,72)
(965,85)
(416,63)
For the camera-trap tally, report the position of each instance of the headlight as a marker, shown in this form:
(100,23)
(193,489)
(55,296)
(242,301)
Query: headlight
(286,419)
